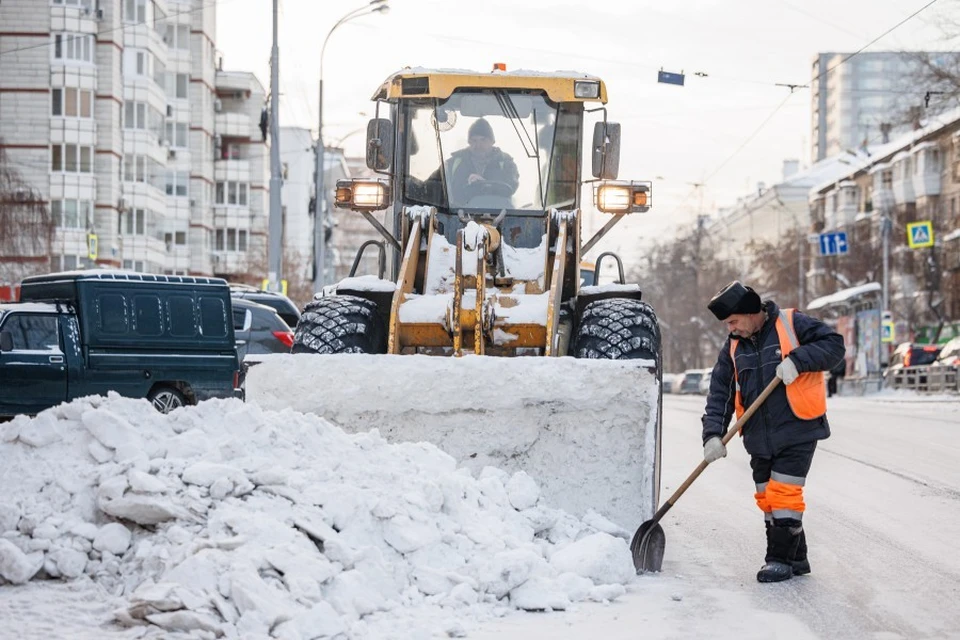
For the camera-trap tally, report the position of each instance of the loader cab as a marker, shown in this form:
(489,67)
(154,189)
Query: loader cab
(490,150)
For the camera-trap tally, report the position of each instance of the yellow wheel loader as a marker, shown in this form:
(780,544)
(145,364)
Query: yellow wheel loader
(478,191)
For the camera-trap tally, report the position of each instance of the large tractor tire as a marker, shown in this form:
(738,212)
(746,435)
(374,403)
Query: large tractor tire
(340,324)
(618,329)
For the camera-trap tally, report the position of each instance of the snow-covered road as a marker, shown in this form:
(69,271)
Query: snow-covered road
(883,521)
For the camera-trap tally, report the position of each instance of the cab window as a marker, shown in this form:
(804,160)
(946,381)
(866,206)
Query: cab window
(33,332)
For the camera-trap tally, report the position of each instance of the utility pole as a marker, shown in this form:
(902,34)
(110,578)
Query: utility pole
(275,250)
(801,276)
(885,228)
(320,213)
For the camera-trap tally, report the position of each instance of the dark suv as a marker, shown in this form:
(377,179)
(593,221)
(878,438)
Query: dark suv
(283,305)
(259,329)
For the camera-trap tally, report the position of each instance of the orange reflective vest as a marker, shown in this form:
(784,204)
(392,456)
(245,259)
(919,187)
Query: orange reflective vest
(807,395)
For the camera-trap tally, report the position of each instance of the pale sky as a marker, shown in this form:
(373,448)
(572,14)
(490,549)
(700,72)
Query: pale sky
(672,135)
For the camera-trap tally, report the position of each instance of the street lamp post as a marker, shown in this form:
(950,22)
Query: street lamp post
(319,216)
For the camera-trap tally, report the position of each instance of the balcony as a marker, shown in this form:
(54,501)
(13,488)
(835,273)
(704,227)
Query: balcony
(238,170)
(882,187)
(902,179)
(847,203)
(235,125)
(926,176)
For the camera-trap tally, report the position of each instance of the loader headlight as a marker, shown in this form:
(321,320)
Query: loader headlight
(362,195)
(623,197)
(586,89)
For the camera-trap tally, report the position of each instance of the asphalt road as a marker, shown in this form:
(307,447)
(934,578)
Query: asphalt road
(883,526)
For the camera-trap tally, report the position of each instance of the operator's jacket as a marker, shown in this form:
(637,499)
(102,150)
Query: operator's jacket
(774,426)
(501,177)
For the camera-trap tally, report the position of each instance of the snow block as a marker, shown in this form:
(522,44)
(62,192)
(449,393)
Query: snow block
(584,430)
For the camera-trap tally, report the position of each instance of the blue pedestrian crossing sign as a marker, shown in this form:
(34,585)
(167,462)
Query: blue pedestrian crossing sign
(834,244)
(920,234)
(887,331)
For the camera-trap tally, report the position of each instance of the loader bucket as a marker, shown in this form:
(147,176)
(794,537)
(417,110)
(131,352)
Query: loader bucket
(586,430)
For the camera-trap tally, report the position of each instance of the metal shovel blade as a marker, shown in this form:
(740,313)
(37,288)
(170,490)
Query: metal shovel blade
(647,547)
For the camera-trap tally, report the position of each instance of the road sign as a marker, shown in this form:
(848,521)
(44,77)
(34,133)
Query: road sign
(92,246)
(887,332)
(833,244)
(920,234)
(666,77)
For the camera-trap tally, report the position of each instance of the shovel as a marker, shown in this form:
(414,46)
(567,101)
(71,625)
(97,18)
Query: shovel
(648,542)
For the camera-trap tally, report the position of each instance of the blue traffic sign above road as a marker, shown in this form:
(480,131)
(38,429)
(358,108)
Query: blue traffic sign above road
(833,244)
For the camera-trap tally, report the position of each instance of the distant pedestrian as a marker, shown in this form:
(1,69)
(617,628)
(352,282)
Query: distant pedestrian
(767,342)
(836,375)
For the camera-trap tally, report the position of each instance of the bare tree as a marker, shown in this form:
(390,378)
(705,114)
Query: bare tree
(26,226)
(299,288)
(678,278)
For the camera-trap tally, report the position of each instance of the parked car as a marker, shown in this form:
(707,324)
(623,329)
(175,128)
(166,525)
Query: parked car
(910,354)
(164,338)
(671,382)
(691,381)
(259,329)
(950,354)
(705,381)
(283,305)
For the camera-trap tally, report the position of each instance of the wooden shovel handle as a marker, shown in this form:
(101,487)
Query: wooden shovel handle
(726,438)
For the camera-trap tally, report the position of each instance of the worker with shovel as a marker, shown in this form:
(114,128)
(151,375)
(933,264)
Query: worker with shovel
(765,343)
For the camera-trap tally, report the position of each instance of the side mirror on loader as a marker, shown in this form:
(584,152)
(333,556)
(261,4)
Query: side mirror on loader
(606,150)
(379,144)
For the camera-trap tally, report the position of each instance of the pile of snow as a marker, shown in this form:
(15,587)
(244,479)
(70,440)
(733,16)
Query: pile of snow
(227,520)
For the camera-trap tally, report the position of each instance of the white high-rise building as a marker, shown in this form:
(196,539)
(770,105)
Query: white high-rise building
(109,110)
(864,100)
(298,159)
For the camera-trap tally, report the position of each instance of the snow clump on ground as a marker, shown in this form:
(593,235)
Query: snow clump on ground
(224,520)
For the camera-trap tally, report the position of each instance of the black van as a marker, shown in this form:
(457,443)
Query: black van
(166,338)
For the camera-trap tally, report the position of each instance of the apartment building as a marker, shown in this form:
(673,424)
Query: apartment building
(109,110)
(865,99)
(241,178)
(914,178)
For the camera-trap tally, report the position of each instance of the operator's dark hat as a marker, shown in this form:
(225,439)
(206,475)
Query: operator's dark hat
(481,128)
(734,298)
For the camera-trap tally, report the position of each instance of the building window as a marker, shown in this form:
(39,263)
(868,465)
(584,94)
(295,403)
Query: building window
(135,222)
(133,265)
(71,214)
(134,168)
(135,11)
(232,193)
(71,158)
(72,103)
(135,115)
(177,36)
(178,238)
(65,263)
(74,3)
(75,47)
(177,183)
(230,239)
(177,134)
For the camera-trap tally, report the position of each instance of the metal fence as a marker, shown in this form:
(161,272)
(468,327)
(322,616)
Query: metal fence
(926,379)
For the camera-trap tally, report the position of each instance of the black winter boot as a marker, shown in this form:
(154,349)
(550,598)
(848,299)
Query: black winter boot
(782,543)
(801,566)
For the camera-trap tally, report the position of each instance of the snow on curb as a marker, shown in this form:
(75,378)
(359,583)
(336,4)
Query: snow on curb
(225,520)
